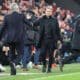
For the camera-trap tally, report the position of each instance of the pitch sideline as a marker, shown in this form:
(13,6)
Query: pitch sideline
(7,74)
(42,78)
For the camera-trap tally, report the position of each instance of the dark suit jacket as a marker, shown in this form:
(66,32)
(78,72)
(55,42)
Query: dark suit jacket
(13,28)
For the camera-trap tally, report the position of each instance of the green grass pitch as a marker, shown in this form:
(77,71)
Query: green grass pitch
(71,72)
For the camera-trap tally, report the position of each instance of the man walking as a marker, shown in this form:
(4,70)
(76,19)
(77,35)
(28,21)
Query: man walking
(12,34)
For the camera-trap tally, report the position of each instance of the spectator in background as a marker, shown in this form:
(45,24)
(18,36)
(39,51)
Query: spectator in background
(24,5)
(31,3)
(42,3)
(75,44)
(54,8)
(35,10)
(6,5)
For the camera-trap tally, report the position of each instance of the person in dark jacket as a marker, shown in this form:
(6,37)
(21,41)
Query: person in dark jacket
(75,44)
(28,42)
(49,36)
(13,35)
(36,46)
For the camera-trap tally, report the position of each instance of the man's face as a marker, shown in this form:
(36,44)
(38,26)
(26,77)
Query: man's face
(48,11)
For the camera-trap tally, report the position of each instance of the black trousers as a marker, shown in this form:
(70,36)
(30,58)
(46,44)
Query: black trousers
(3,57)
(47,50)
(16,52)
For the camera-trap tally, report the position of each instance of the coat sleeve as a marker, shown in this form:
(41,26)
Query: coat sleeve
(27,22)
(40,30)
(57,31)
(4,30)
(78,28)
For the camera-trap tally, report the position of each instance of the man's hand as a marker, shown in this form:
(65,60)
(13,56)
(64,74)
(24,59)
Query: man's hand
(6,50)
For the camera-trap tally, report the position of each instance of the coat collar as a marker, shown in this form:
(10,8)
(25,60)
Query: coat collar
(47,17)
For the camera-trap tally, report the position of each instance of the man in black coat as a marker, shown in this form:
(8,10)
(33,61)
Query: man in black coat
(49,36)
(13,35)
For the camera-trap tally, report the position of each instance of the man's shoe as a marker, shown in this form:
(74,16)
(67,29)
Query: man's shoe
(44,69)
(1,70)
(13,68)
(13,72)
(49,70)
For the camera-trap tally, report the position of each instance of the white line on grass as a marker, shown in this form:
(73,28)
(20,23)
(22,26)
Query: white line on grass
(7,74)
(44,78)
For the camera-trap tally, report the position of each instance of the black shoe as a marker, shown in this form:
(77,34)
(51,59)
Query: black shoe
(61,65)
(44,69)
(13,68)
(1,70)
(49,70)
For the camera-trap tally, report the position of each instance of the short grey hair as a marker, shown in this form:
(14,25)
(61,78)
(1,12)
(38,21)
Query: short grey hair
(14,7)
(49,7)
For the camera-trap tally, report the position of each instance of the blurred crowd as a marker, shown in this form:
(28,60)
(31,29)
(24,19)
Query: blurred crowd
(65,17)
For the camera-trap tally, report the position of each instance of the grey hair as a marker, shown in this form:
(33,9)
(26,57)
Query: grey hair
(14,7)
(49,7)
